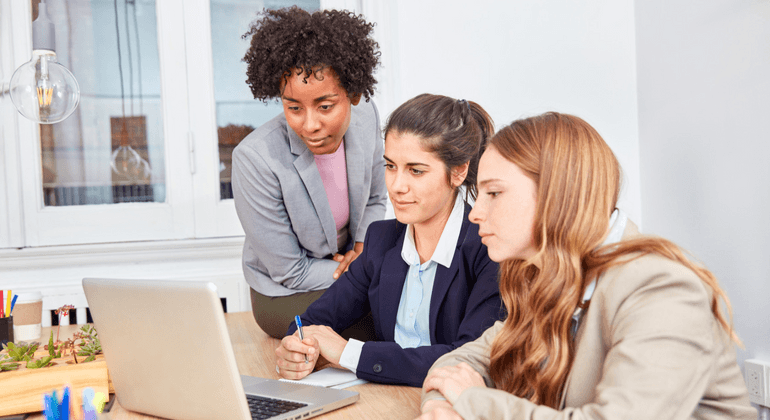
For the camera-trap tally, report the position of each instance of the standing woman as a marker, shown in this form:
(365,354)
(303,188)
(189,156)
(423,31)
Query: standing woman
(603,323)
(308,183)
(425,276)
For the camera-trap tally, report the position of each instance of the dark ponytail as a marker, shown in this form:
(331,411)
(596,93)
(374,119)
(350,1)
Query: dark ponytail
(457,131)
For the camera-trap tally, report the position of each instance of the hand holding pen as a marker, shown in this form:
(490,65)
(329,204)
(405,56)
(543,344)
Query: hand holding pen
(298,321)
(296,355)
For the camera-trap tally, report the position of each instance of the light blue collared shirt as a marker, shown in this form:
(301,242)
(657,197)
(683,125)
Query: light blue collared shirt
(412,320)
(412,329)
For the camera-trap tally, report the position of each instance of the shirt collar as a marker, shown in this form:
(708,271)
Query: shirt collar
(445,249)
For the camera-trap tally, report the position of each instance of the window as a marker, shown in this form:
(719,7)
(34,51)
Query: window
(111,149)
(146,156)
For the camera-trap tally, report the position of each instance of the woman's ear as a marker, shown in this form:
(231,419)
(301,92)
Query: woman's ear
(458,174)
(355,99)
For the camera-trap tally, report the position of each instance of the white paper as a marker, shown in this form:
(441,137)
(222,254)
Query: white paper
(330,377)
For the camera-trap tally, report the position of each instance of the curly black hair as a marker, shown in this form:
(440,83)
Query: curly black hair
(292,38)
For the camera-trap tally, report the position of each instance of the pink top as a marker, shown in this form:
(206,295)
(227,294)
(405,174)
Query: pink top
(334,175)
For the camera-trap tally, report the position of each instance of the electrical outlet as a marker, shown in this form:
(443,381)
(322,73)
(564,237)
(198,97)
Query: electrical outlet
(758,381)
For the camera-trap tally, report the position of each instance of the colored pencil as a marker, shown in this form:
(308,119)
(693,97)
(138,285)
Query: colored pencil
(13,303)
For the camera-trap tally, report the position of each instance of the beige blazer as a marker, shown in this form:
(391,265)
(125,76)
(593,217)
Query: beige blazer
(648,347)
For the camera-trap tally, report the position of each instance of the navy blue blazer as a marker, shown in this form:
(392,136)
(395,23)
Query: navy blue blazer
(465,302)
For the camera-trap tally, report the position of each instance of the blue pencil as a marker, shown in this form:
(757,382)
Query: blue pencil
(48,407)
(64,409)
(13,303)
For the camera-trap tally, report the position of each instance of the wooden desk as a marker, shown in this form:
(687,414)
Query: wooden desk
(255,355)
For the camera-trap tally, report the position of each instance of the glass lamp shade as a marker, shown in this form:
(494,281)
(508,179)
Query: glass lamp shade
(43,90)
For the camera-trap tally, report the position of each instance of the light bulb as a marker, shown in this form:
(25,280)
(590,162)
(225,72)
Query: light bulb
(128,164)
(44,90)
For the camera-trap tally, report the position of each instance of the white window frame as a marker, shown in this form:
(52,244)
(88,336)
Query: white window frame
(11,214)
(213,216)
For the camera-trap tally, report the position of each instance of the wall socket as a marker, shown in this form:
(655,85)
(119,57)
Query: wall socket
(758,381)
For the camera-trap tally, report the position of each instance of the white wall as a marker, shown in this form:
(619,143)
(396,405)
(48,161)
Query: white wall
(519,59)
(704,107)
(695,145)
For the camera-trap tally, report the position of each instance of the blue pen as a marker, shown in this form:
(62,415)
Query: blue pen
(13,303)
(298,321)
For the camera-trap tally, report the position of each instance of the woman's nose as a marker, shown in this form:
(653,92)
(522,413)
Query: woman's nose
(398,184)
(312,122)
(476,214)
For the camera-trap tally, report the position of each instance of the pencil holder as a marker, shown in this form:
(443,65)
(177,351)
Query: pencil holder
(6,330)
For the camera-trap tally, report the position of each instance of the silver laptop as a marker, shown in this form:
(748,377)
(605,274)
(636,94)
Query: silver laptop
(169,355)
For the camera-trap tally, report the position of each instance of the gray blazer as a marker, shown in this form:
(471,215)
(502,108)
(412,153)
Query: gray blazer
(281,202)
(648,347)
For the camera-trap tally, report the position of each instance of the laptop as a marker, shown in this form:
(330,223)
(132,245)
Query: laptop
(169,355)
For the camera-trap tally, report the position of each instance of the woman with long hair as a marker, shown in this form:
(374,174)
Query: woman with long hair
(425,276)
(603,322)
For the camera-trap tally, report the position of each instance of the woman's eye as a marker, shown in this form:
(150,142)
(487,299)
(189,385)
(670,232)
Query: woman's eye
(326,107)
(293,108)
(493,194)
(417,172)
(390,166)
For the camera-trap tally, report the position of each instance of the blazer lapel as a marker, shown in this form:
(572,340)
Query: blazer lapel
(392,278)
(358,196)
(445,277)
(308,172)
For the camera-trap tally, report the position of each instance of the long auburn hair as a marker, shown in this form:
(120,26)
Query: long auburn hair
(578,182)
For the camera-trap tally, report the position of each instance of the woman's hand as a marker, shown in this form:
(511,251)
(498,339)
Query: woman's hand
(346,259)
(438,410)
(451,381)
(330,344)
(290,356)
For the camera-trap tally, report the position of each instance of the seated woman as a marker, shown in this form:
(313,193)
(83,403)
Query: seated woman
(425,276)
(307,183)
(603,323)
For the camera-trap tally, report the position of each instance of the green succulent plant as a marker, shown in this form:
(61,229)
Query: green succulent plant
(6,363)
(52,348)
(40,363)
(90,345)
(21,352)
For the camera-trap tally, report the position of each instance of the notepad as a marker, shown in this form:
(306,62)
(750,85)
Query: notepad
(330,377)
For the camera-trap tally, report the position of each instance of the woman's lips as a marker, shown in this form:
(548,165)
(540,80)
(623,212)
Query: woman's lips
(402,204)
(315,142)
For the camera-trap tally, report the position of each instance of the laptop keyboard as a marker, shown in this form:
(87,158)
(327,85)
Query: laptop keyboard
(265,408)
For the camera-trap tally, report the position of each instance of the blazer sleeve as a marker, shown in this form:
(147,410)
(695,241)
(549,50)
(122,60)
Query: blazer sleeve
(664,344)
(474,353)
(388,362)
(347,300)
(375,206)
(259,203)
